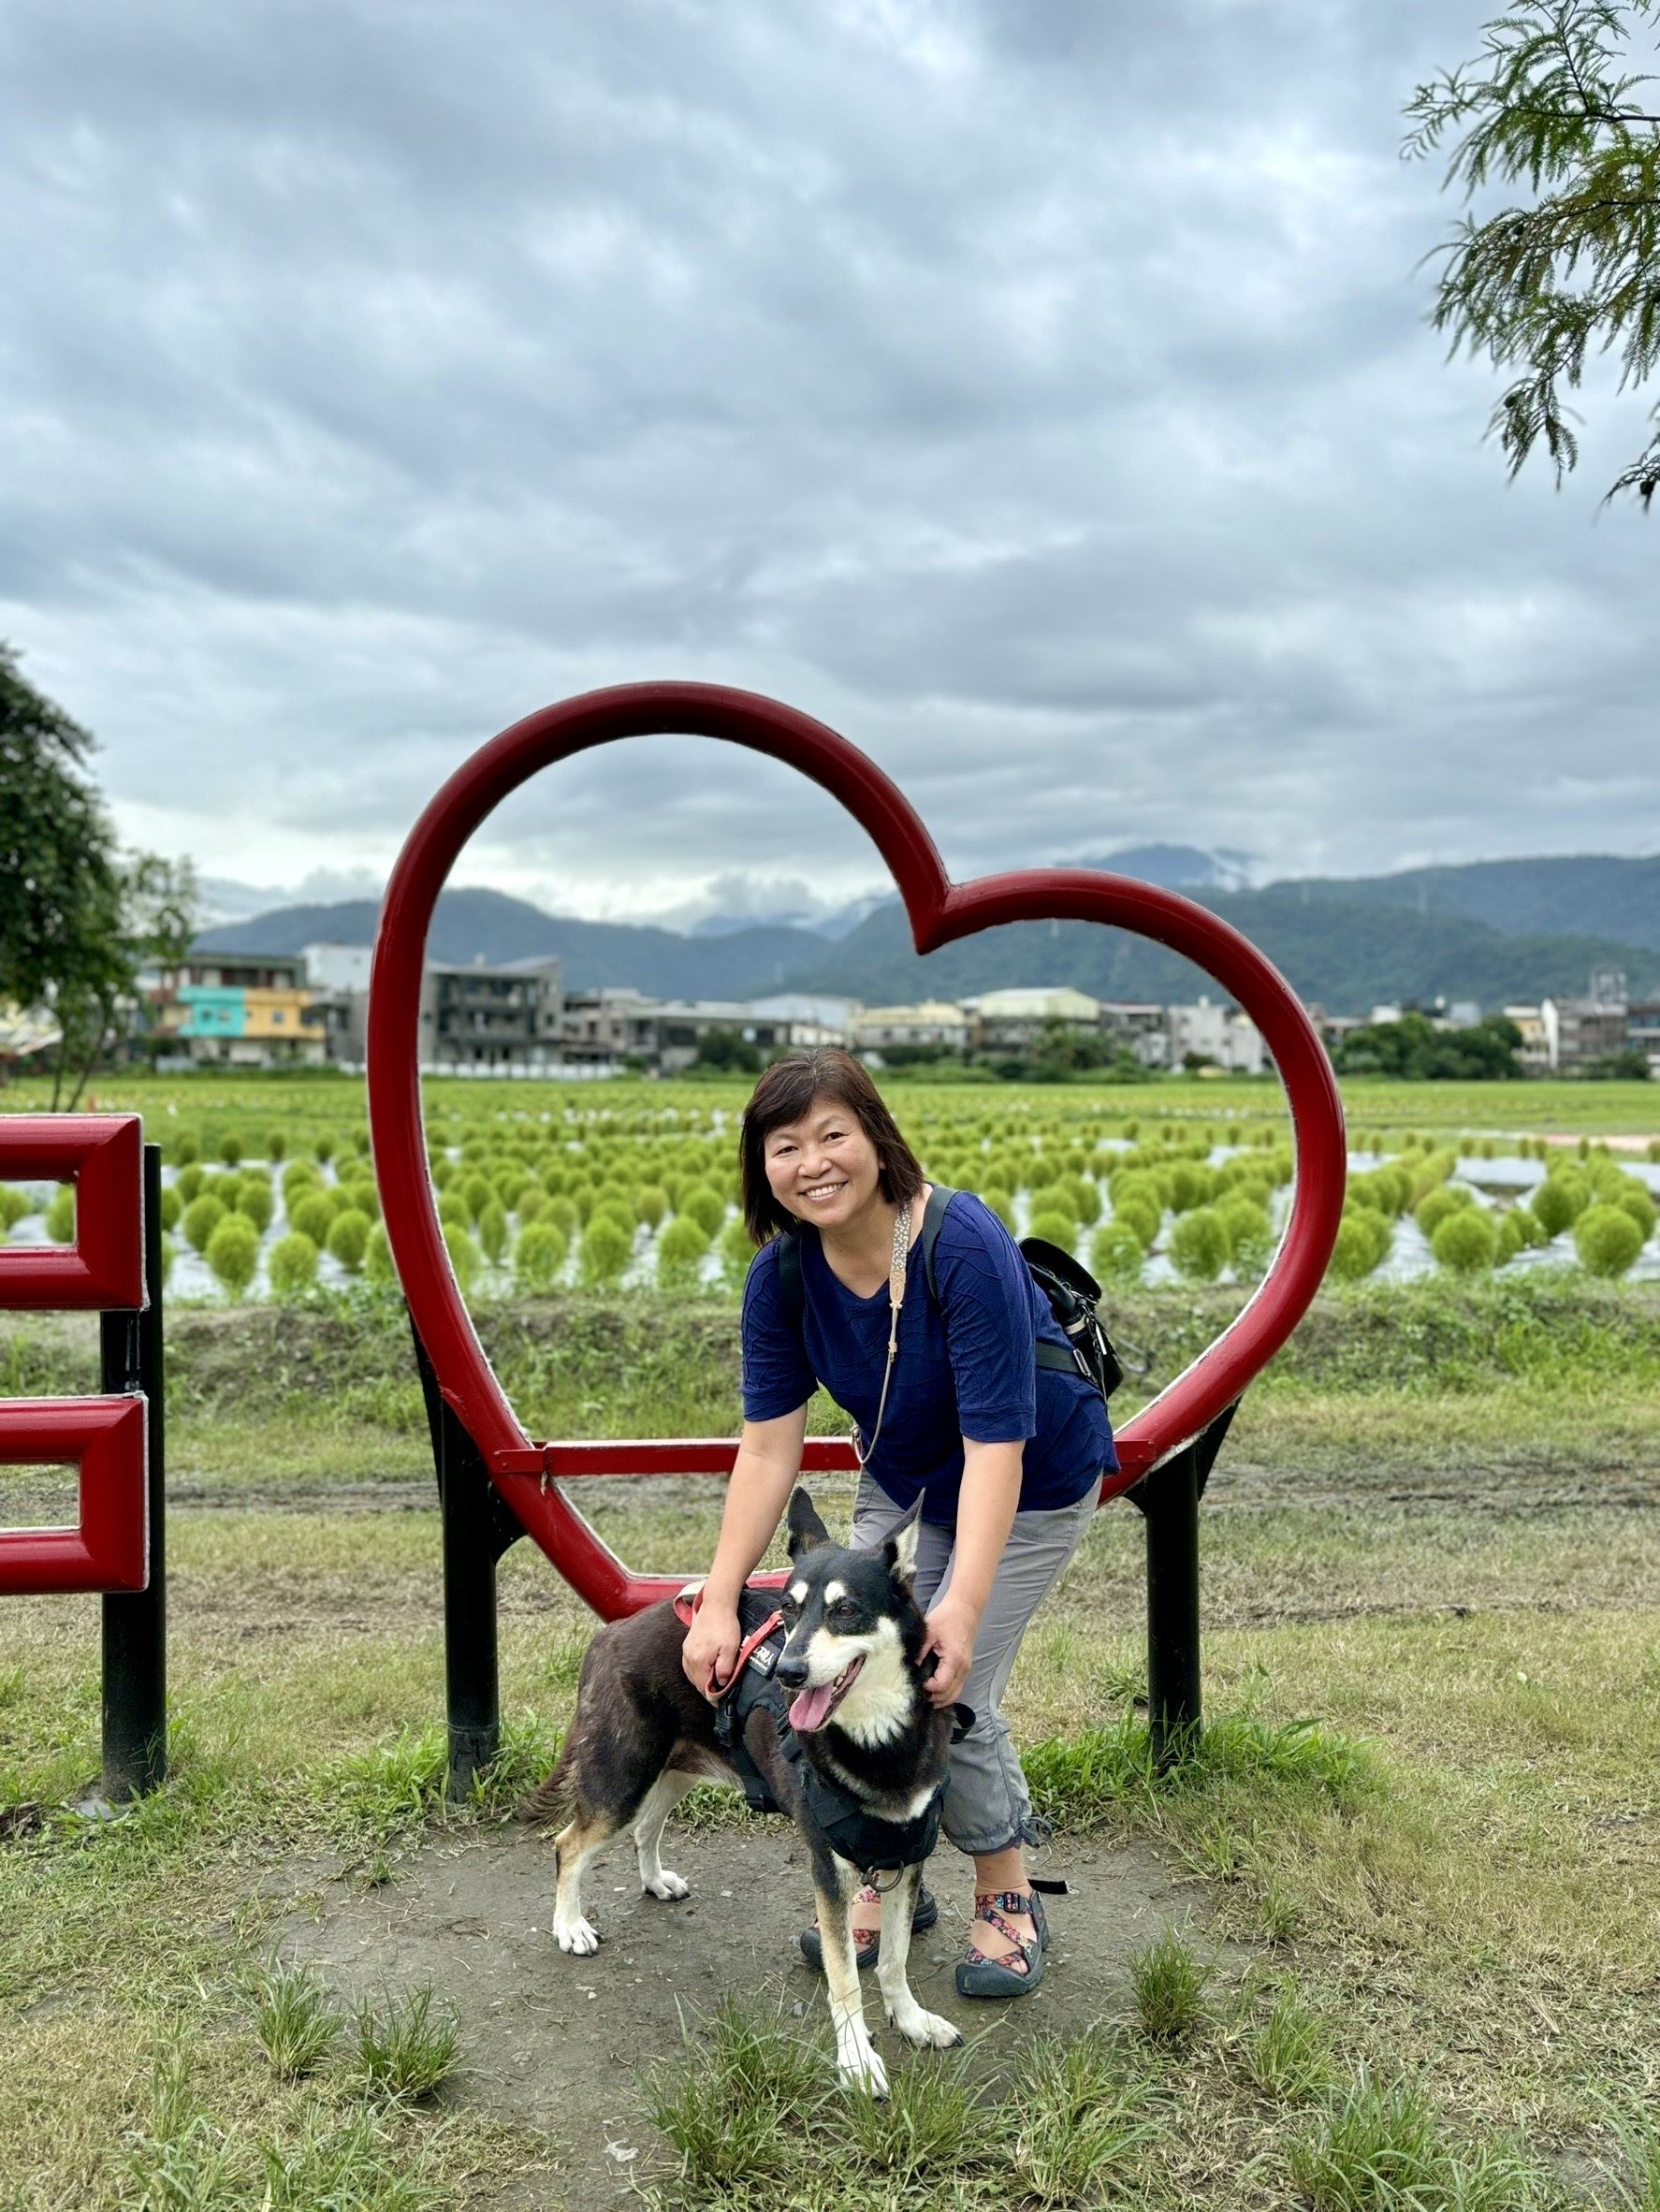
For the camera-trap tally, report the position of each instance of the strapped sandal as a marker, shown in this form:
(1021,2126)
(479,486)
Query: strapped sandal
(867,1942)
(979,1976)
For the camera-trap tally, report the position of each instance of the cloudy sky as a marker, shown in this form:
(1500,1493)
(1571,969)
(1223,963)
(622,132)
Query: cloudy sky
(1036,390)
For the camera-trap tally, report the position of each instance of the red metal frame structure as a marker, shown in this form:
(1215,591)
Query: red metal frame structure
(105,1438)
(1196,1406)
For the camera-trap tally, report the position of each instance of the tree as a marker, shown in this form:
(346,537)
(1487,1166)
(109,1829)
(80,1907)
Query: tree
(727,1051)
(1540,287)
(78,918)
(1414,1049)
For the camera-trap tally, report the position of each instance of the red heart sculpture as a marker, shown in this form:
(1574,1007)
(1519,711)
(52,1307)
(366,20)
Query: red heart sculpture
(939,911)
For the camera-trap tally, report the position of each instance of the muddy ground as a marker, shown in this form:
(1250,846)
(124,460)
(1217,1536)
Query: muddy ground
(557,2042)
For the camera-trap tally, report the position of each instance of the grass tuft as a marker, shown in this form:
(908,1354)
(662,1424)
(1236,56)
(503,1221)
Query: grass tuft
(1634,2182)
(1284,2053)
(295,2019)
(1381,2146)
(1168,1982)
(1079,1782)
(932,2123)
(395,1788)
(1082,2115)
(406,2047)
(736,2108)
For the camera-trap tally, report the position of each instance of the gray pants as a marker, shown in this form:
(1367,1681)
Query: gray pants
(987,1805)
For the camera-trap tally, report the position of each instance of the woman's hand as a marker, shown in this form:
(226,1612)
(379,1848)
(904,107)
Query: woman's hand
(949,1630)
(711,1648)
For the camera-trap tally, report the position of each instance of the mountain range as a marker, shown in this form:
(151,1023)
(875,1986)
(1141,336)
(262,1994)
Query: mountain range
(1492,931)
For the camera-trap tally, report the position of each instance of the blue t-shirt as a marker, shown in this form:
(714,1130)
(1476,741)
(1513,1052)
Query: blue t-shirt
(966,1366)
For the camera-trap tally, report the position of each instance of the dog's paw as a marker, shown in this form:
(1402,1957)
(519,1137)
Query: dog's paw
(929,2031)
(865,2071)
(668,1885)
(579,1936)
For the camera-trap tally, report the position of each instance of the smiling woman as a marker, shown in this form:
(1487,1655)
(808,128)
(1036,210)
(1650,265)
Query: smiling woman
(999,1457)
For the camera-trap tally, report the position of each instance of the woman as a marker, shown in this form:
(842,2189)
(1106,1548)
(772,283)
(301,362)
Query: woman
(1006,1457)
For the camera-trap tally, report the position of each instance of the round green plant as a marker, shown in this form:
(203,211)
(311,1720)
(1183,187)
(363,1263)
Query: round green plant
(1197,1246)
(348,1238)
(202,1216)
(604,1252)
(233,1253)
(1607,1240)
(1440,1204)
(1115,1255)
(493,1231)
(1055,1227)
(378,1263)
(292,1265)
(539,1254)
(704,1206)
(680,1248)
(1466,1242)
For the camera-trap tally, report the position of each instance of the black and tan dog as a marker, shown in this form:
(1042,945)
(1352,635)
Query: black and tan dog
(864,1757)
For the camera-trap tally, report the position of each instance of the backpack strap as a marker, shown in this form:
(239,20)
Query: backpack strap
(933,1216)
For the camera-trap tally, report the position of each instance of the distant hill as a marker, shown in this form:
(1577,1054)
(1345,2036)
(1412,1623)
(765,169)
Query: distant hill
(1177,868)
(1341,943)
(1592,894)
(470,925)
(1327,951)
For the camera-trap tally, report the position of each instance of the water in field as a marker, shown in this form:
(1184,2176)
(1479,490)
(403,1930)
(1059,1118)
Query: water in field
(1495,1184)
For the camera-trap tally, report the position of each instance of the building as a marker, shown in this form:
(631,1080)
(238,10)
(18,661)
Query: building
(1534,1055)
(935,1021)
(1642,1031)
(478,1020)
(600,1029)
(238,1010)
(338,970)
(1139,1026)
(819,1021)
(1219,1034)
(1579,1032)
(1008,1021)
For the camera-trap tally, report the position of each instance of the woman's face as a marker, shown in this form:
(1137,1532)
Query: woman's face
(823,1168)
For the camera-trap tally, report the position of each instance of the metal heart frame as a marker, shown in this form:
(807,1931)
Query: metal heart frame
(939,913)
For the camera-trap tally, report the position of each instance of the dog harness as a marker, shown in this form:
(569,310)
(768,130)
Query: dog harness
(851,1831)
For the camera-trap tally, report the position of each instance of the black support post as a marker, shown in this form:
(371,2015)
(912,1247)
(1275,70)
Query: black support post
(136,1622)
(1168,1499)
(477,1527)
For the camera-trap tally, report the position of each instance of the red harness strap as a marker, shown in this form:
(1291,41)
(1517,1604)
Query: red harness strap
(687,1605)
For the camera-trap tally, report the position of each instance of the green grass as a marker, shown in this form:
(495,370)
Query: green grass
(1383,2147)
(406,2045)
(1421,1808)
(1168,1984)
(296,2019)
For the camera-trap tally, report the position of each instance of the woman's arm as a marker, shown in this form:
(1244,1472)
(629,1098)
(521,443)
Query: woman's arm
(769,1461)
(986,1506)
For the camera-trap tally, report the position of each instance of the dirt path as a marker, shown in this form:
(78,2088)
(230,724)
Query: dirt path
(557,2042)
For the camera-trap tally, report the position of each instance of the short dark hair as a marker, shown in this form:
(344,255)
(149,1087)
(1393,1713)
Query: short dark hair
(782,1096)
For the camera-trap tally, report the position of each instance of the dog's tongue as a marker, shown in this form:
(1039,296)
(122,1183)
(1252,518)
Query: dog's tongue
(810,1708)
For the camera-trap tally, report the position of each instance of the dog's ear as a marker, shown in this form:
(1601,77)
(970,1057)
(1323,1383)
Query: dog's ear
(807,1531)
(899,1549)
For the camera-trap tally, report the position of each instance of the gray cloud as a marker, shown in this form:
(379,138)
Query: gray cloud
(1037,391)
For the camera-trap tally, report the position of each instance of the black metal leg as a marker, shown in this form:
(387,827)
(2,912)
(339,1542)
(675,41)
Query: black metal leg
(472,1690)
(1169,1499)
(136,1622)
(478,1526)
(1173,1695)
